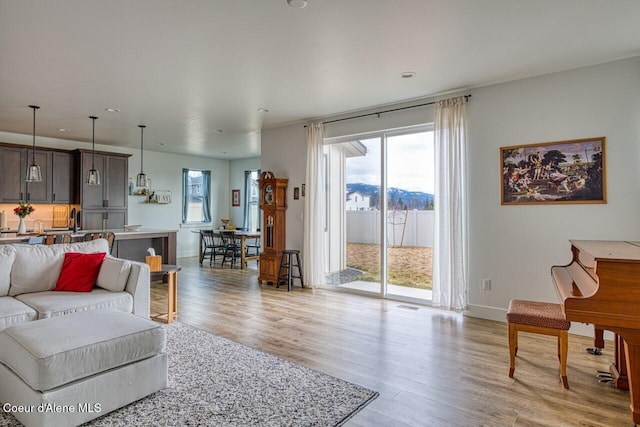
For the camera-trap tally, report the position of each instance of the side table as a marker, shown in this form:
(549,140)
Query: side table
(171,273)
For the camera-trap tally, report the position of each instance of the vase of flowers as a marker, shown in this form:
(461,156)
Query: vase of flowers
(22,211)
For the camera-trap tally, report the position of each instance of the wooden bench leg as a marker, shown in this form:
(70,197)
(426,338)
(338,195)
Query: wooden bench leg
(513,348)
(563,343)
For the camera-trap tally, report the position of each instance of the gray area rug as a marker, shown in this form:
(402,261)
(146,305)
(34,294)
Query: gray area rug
(217,382)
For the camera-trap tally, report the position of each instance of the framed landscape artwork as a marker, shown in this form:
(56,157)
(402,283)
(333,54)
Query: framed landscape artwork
(235,197)
(554,172)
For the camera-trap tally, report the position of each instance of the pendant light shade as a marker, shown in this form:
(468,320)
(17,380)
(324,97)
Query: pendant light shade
(141,180)
(93,178)
(33,172)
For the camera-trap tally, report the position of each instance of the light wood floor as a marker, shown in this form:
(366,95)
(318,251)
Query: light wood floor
(431,368)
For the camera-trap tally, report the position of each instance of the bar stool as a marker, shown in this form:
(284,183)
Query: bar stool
(538,318)
(286,264)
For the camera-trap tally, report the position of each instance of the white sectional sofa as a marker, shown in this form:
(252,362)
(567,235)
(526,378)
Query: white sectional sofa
(28,275)
(88,352)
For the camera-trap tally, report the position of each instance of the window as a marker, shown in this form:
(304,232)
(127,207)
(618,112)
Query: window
(251,200)
(196,196)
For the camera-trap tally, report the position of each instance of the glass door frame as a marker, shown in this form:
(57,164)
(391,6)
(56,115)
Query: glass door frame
(383,135)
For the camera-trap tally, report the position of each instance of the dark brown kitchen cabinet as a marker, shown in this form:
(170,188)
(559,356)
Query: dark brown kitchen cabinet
(112,191)
(103,206)
(39,192)
(12,179)
(62,177)
(105,219)
(13,185)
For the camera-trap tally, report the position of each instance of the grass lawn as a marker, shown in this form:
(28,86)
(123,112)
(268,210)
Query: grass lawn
(407,265)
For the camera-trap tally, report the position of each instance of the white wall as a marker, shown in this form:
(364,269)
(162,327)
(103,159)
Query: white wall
(284,152)
(515,246)
(165,171)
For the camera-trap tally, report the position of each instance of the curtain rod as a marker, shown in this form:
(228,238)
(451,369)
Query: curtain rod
(466,98)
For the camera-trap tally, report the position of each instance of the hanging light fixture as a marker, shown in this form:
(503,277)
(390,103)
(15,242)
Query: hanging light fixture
(94,176)
(33,172)
(141,180)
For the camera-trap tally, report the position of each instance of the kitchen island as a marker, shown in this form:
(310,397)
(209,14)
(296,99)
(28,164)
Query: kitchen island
(131,245)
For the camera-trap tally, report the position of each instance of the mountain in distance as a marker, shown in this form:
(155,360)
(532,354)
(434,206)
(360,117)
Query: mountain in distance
(397,197)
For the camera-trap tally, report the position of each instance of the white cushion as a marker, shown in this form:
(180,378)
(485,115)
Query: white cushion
(113,274)
(59,303)
(13,312)
(36,268)
(7,256)
(52,352)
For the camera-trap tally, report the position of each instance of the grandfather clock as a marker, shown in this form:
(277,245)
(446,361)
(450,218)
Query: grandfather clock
(273,202)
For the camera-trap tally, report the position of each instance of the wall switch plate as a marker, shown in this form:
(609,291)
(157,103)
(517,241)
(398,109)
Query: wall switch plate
(486,284)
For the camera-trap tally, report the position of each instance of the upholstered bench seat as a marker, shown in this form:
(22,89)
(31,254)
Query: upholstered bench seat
(538,318)
(84,359)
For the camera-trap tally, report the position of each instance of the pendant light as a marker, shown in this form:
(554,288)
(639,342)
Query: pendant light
(33,172)
(94,176)
(141,180)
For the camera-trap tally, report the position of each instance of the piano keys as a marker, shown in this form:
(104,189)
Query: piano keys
(601,286)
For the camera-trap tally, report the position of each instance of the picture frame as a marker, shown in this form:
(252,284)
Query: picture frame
(296,193)
(561,172)
(303,190)
(235,197)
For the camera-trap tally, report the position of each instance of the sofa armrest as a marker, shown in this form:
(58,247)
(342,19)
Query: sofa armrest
(139,285)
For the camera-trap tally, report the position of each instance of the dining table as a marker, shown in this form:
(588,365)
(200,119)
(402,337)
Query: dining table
(241,235)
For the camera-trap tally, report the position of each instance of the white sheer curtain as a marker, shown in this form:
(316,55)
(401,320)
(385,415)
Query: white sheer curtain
(314,209)
(450,270)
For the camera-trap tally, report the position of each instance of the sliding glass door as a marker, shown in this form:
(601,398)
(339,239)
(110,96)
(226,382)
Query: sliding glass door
(410,215)
(380,219)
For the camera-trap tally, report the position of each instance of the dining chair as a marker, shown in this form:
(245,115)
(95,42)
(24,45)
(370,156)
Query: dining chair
(231,247)
(63,238)
(211,246)
(49,239)
(108,235)
(253,246)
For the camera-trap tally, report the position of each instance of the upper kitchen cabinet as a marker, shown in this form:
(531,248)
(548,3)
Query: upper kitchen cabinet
(63,177)
(39,192)
(13,162)
(112,191)
(13,184)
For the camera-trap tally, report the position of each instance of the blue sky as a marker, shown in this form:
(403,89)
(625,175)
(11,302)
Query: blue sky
(409,166)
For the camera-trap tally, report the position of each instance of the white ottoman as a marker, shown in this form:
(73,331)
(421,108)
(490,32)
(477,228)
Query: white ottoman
(64,371)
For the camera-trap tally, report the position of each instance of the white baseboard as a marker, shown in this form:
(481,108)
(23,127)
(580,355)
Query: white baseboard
(486,312)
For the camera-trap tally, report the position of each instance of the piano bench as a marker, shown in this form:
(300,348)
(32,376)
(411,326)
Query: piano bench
(538,318)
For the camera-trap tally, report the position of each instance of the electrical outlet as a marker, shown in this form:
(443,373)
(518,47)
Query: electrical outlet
(486,284)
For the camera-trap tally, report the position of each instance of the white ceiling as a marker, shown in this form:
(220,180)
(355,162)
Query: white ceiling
(197,71)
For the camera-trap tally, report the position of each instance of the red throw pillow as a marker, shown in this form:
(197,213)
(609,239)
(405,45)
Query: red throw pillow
(79,271)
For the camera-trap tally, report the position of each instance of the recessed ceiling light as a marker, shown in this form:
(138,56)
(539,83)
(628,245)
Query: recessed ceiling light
(62,130)
(407,74)
(263,110)
(298,4)
(112,110)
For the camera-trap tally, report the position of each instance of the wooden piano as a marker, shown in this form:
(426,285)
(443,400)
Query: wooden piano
(601,286)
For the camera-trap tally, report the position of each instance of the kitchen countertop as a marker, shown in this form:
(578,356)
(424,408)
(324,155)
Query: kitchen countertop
(9,236)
